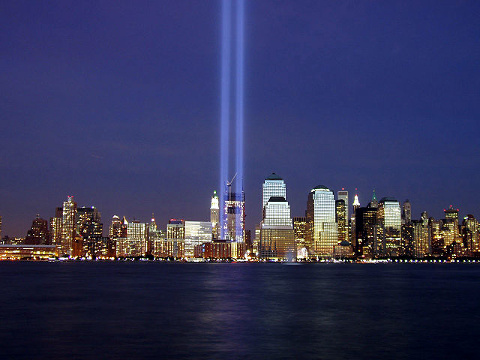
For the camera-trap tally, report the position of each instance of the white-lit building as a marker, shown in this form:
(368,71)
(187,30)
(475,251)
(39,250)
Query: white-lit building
(321,232)
(196,233)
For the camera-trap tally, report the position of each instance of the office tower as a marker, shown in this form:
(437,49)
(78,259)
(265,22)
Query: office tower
(234,215)
(0,226)
(366,231)
(118,228)
(153,235)
(406,212)
(277,239)
(341,220)
(321,233)
(389,241)
(68,227)
(56,227)
(438,243)
(175,243)
(408,239)
(470,234)
(450,226)
(343,195)
(421,237)
(135,244)
(273,186)
(90,228)
(38,233)
(299,230)
(276,231)
(196,233)
(215,215)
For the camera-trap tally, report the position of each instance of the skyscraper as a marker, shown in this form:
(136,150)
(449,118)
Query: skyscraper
(56,228)
(343,195)
(321,233)
(366,231)
(389,241)
(421,237)
(196,233)
(277,239)
(68,226)
(341,220)
(90,228)
(275,186)
(406,212)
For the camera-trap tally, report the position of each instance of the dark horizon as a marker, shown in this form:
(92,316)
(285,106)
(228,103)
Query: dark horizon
(118,104)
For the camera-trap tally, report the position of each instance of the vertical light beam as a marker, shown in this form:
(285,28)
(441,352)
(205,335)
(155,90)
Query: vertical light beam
(239,80)
(225,108)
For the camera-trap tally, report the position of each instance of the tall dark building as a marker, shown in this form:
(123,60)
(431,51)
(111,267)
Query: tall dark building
(38,233)
(366,231)
(90,228)
(406,212)
(341,219)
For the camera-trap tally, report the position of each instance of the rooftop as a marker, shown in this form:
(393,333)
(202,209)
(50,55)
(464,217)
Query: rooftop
(274,176)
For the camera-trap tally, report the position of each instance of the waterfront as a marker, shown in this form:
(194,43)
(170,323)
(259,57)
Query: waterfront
(140,310)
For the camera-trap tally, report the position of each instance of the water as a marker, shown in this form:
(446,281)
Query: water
(145,310)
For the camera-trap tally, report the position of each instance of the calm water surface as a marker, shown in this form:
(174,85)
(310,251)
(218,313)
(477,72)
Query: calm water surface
(146,310)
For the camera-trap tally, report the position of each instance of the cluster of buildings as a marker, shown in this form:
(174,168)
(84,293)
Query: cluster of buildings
(331,228)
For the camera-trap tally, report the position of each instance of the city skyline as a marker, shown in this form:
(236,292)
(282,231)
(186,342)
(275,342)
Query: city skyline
(118,105)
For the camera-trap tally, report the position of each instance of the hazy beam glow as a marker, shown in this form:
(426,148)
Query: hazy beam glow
(225,107)
(239,105)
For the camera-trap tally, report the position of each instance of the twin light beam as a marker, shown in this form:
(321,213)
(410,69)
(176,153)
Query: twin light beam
(232,29)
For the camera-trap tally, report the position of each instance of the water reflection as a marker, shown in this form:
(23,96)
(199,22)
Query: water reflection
(148,310)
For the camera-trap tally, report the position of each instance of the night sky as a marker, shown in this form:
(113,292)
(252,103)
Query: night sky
(117,103)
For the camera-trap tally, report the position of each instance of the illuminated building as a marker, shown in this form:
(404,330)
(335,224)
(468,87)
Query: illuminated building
(366,231)
(0,226)
(234,214)
(38,233)
(299,230)
(341,220)
(406,212)
(450,226)
(343,195)
(437,242)
(153,235)
(277,238)
(215,215)
(321,233)
(421,237)
(273,186)
(117,228)
(27,252)
(56,227)
(196,233)
(90,228)
(135,244)
(175,243)
(389,241)
(68,227)
(471,233)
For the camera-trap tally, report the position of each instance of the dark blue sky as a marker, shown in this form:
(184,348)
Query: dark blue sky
(117,103)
